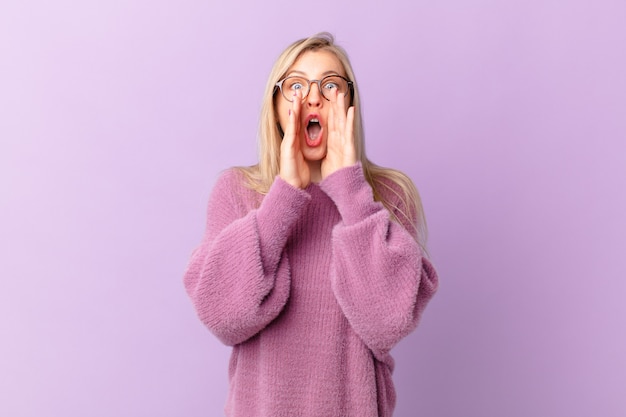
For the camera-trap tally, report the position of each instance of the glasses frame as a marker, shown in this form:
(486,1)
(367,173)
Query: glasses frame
(279,86)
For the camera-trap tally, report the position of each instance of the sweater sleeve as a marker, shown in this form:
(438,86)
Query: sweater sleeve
(238,279)
(380,277)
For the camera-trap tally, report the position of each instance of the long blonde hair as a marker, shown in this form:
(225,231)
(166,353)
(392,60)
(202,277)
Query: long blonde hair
(260,177)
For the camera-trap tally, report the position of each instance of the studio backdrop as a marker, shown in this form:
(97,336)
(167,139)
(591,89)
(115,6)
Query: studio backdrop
(117,117)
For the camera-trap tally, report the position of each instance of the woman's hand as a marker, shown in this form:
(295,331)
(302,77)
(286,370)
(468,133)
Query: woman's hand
(340,151)
(293,167)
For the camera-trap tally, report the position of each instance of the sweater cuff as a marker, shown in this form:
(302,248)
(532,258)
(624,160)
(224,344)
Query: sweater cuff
(281,207)
(352,194)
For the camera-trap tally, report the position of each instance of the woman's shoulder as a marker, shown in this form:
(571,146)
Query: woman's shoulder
(236,176)
(391,184)
(236,183)
(231,176)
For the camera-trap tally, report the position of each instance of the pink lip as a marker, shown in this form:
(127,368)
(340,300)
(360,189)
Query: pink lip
(310,142)
(312,116)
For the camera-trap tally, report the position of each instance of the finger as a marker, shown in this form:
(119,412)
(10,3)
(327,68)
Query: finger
(336,117)
(296,105)
(349,125)
(331,116)
(292,126)
(289,131)
(341,113)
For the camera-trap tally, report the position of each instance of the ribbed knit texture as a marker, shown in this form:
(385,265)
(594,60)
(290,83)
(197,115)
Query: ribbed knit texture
(312,288)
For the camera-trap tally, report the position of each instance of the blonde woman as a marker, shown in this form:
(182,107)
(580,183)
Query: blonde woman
(313,263)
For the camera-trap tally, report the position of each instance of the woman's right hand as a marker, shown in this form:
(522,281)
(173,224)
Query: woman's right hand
(293,167)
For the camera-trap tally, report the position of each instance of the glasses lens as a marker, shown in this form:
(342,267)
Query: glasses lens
(333,85)
(293,84)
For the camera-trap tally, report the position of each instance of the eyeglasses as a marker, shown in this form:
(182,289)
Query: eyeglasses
(330,87)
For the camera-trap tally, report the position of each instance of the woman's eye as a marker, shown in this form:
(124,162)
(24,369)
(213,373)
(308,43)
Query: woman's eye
(330,86)
(296,86)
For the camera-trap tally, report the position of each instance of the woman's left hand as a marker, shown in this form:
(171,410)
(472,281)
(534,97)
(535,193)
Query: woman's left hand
(340,150)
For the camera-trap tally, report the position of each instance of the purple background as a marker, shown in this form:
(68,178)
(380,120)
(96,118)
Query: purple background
(117,116)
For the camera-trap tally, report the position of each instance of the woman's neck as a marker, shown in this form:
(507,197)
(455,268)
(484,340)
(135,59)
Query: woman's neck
(315,168)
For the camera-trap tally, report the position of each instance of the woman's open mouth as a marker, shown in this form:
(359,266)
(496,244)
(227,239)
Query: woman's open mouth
(313,132)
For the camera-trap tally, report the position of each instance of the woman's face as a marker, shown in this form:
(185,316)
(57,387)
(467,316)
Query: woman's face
(311,65)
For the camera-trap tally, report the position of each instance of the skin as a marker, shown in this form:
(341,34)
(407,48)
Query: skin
(301,164)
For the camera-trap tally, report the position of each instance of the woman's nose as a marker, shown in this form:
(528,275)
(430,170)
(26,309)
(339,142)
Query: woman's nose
(314,98)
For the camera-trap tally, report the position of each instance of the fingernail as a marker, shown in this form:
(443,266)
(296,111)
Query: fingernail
(289,112)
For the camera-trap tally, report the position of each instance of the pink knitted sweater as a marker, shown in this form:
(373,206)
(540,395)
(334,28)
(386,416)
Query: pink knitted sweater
(312,288)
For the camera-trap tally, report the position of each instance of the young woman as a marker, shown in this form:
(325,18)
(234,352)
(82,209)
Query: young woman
(313,263)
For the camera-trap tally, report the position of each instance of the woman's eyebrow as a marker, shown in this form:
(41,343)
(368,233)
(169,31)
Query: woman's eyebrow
(325,73)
